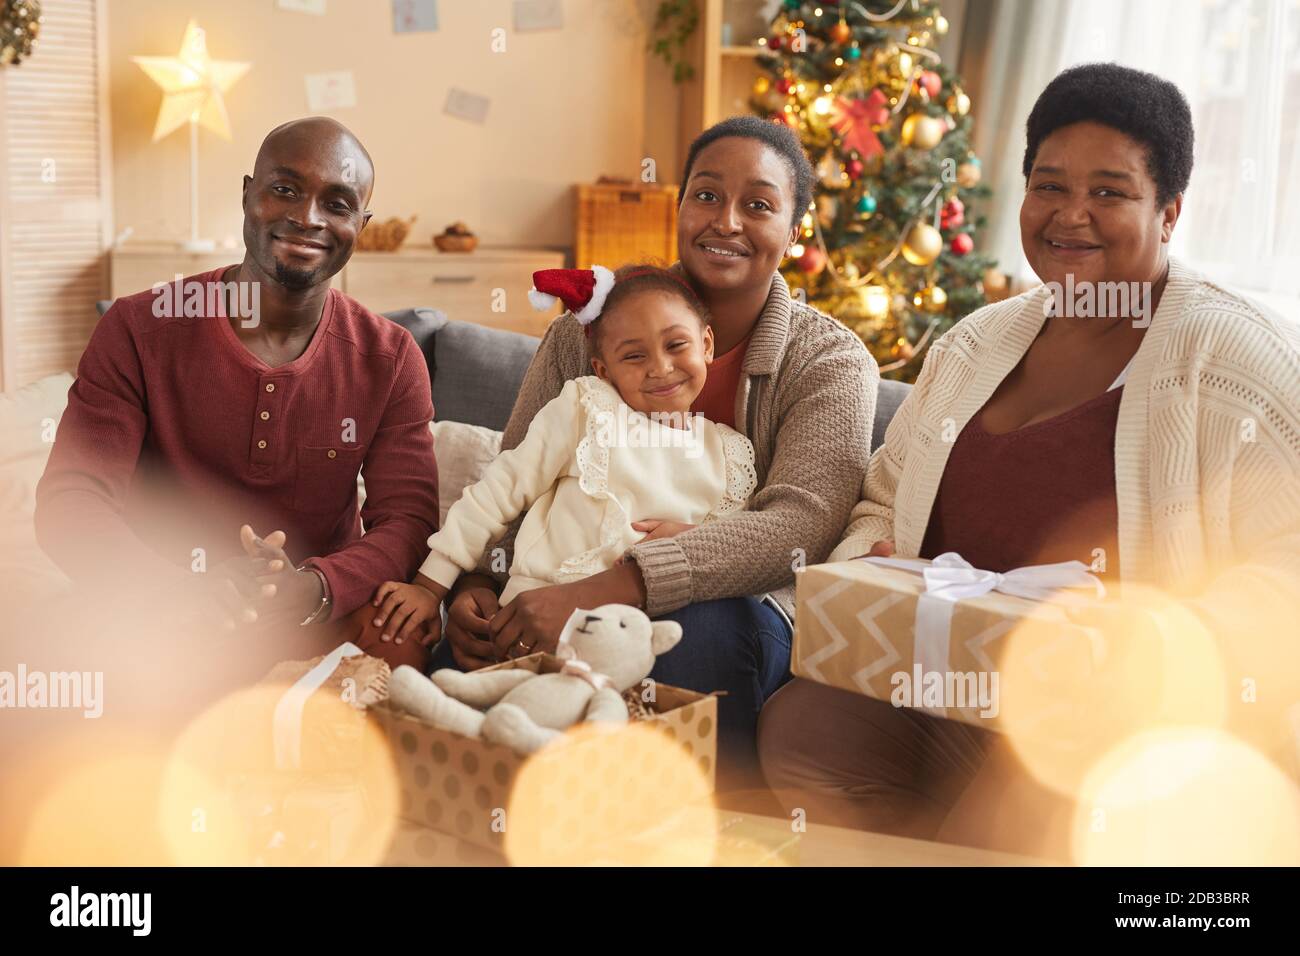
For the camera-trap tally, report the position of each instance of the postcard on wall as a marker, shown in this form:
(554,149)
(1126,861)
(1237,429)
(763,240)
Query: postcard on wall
(539,15)
(316,7)
(466,106)
(415,16)
(331,91)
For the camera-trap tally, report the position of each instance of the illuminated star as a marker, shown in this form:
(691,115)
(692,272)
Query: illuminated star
(192,85)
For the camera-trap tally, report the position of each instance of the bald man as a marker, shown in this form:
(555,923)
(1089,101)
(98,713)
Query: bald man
(212,440)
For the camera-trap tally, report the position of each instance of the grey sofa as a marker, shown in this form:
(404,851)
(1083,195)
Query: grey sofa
(475,372)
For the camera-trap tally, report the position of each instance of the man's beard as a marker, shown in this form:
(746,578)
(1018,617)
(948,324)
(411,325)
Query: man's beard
(295,279)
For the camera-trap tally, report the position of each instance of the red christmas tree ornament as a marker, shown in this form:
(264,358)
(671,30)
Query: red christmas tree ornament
(785,85)
(583,291)
(929,81)
(853,119)
(953,214)
(813,260)
(841,33)
(962,243)
(854,168)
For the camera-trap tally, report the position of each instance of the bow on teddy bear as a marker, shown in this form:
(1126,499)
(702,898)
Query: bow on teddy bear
(606,651)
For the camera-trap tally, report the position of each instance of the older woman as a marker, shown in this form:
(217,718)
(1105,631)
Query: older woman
(799,385)
(1100,431)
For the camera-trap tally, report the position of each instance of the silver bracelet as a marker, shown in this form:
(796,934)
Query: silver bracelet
(324,605)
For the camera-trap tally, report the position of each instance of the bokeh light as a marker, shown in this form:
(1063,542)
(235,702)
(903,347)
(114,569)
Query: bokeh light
(1186,797)
(225,801)
(1067,700)
(572,801)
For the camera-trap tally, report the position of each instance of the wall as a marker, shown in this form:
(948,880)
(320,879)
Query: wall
(566,106)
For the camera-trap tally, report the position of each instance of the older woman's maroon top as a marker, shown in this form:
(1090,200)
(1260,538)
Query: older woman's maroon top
(1036,495)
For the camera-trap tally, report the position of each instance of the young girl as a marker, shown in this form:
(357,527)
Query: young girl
(610,450)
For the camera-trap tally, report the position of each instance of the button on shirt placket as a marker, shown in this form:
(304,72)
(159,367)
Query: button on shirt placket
(264,450)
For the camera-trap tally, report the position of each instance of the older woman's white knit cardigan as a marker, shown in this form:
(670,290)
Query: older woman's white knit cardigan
(1207,454)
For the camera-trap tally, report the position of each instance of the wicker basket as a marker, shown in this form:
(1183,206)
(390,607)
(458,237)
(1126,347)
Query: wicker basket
(384,236)
(618,224)
(446,243)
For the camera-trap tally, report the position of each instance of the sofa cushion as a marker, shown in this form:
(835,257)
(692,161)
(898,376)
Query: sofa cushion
(888,399)
(475,371)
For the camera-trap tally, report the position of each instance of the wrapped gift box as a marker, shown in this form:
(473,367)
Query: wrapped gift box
(318,723)
(304,784)
(600,783)
(857,629)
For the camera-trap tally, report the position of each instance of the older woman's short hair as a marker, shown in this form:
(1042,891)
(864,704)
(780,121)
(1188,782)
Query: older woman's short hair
(779,138)
(1141,105)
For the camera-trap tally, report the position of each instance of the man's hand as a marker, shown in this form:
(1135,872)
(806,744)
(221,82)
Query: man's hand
(410,610)
(468,621)
(657,528)
(284,592)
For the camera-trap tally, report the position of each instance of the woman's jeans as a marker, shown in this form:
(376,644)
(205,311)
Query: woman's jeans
(739,646)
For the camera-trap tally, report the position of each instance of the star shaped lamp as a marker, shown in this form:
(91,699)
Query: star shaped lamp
(193,85)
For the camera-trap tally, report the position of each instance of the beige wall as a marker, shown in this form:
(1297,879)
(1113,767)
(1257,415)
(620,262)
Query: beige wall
(566,107)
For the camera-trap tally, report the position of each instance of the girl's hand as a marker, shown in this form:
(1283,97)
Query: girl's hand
(660,529)
(881,549)
(406,610)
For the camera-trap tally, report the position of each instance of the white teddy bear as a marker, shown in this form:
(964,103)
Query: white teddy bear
(605,651)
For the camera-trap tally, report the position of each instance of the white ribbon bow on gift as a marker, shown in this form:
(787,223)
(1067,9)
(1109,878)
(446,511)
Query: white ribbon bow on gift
(287,719)
(573,665)
(950,578)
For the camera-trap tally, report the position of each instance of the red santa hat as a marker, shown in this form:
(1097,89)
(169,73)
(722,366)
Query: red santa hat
(583,291)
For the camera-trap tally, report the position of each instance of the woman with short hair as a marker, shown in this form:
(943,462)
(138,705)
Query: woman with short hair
(1049,428)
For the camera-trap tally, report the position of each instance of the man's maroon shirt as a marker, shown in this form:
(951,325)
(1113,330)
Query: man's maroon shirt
(175,434)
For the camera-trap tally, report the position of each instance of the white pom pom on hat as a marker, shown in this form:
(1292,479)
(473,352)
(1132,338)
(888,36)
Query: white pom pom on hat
(583,291)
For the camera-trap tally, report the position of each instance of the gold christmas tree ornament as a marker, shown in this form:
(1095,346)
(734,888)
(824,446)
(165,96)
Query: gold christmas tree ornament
(20,25)
(922,245)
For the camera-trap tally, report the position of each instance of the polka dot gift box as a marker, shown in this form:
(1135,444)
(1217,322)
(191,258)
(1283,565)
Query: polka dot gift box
(560,804)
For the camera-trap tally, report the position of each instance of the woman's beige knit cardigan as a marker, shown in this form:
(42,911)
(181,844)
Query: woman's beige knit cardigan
(1207,459)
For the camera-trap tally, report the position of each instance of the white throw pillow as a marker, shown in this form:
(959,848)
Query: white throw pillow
(463,453)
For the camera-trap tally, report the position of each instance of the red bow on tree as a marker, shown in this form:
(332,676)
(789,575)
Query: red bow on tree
(853,119)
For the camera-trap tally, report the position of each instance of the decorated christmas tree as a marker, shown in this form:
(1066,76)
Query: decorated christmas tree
(887,248)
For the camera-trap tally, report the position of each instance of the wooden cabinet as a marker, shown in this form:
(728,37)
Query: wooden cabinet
(137,266)
(488,286)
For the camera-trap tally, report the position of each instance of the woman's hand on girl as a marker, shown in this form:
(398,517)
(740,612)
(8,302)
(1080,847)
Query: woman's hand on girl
(532,622)
(469,616)
(660,529)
